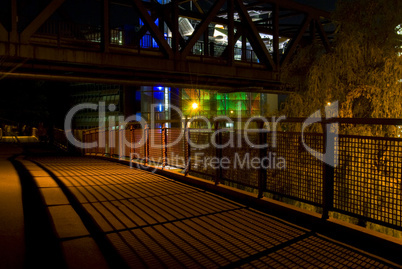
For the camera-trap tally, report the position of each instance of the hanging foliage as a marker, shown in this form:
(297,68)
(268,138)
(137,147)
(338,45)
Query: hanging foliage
(364,69)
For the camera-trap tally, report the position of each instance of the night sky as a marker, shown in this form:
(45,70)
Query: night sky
(328,5)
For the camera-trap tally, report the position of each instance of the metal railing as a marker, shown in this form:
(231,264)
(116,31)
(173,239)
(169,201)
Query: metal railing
(60,139)
(11,133)
(366,182)
(64,33)
(70,34)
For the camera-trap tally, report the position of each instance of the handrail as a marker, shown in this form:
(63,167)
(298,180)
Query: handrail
(324,179)
(361,121)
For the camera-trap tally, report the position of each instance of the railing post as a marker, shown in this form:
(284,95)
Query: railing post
(107,141)
(218,153)
(89,139)
(187,150)
(328,171)
(104,142)
(131,141)
(67,144)
(84,140)
(112,141)
(164,147)
(97,139)
(121,143)
(95,133)
(263,155)
(117,140)
(146,144)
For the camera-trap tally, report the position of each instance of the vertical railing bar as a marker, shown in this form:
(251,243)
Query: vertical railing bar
(146,144)
(91,140)
(218,153)
(328,171)
(187,149)
(131,141)
(84,138)
(111,141)
(107,142)
(97,139)
(121,143)
(164,149)
(263,155)
(106,150)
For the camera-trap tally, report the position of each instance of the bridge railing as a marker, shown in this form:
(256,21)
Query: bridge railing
(364,184)
(69,34)
(62,33)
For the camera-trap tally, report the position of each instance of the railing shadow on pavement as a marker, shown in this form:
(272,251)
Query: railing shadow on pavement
(154,221)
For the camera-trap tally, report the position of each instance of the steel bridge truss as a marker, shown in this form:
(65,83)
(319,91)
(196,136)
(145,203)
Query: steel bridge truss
(227,45)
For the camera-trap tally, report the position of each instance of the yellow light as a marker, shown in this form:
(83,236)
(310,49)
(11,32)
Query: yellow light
(194,105)
(231,111)
(329,103)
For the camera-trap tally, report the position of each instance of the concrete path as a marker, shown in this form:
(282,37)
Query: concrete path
(19,139)
(12,240)
(106,215)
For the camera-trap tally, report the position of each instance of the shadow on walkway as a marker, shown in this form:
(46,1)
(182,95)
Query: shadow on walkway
(143,220)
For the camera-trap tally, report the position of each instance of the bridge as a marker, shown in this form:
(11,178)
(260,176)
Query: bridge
(225,45)
(85,212)
(146,197)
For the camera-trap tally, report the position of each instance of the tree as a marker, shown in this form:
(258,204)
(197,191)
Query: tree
(363,72)
(364,69)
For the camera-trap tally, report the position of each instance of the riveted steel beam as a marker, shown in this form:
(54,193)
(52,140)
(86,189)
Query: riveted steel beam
(39,20)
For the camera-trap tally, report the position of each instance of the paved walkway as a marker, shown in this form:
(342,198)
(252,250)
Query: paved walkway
(106,215)
(12,242)
(18,139)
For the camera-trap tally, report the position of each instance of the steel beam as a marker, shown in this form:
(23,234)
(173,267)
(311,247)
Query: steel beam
(292,5)
(275,30)
(39,20)
(202,27)
(323,35)
(14,21)
(223,21)
(143,30)
(312,31)
(231,34)
(195,2)
(170,65)
(153,29)
(295,40)
(174,19)
(105,42)
(254,37)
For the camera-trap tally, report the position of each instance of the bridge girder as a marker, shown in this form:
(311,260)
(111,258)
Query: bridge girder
(31,52)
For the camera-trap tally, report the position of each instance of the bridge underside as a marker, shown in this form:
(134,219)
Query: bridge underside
(72,65)
(226,45)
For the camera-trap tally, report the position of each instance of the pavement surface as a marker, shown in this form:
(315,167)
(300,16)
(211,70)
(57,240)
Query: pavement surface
(82,212)
(12,240)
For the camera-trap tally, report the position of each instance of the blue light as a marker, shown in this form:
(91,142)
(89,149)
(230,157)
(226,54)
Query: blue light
(160,107)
